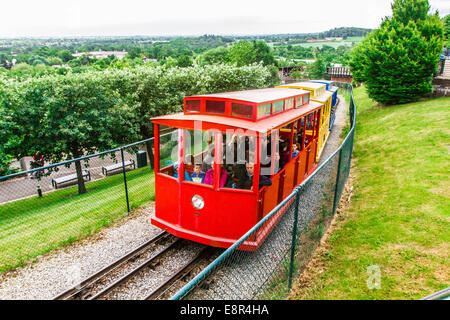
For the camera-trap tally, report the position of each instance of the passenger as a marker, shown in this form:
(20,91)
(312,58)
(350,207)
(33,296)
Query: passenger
(208,158)
(198,176)
(284,156)
(209,177)
(295,151)
(247,181)
(187,177)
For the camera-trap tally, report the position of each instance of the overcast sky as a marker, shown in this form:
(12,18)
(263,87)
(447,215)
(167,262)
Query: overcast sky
(22,18)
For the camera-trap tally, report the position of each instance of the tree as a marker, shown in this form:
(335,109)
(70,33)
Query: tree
(65,55)
(446,21)
(241,53)
(213,56)
(68,117)
(184,61)
(397,61)
(263,53)
(55,61)
(317,69)
(245,53)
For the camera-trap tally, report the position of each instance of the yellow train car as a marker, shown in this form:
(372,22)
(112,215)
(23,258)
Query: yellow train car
(318,94)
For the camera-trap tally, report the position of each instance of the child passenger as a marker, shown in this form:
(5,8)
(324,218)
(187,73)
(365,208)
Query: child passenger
(295,151)
(198,176)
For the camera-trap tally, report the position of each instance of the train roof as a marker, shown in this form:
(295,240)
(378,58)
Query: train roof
(214,122)
(333,89)
(327,82)
(322,81)
(323,97)
(251,105)
(256,95)
(304,84)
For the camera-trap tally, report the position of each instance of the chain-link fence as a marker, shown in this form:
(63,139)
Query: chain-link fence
(301,220)
(49,206)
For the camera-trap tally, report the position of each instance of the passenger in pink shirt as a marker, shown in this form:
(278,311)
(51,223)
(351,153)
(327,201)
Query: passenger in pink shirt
(209,178)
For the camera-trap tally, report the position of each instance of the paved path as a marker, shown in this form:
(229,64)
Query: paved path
(334,139)
(23,187)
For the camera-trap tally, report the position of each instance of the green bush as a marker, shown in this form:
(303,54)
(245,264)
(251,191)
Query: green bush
(397,61)
(67,116)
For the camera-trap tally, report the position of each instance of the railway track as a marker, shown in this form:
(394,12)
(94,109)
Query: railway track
(109,282)
(164,289)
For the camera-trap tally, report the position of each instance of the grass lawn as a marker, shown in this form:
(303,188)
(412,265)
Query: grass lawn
(397,228)
(35,226)
(349,42)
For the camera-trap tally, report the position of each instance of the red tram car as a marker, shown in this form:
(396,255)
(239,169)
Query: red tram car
(221,142)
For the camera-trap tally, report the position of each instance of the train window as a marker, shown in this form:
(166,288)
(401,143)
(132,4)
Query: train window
(264,110)
(168,149)
(239,152)
(199,154)
(278,106)
(306,99)
(193,106)
(310,121)
(289,104)
(213,106)
(300,133)
(242,110)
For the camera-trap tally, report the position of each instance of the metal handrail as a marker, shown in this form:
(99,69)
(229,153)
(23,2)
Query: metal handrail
(441,295)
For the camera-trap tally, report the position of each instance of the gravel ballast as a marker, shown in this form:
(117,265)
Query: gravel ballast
(55,272)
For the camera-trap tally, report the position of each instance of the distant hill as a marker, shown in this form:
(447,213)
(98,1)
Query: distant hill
(345,32)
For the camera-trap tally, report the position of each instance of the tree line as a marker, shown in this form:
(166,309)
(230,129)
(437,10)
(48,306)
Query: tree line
(69,116)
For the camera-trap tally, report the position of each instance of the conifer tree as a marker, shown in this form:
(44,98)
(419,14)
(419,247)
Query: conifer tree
(396,62)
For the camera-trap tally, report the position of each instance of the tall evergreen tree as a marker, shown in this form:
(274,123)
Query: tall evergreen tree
(397,61)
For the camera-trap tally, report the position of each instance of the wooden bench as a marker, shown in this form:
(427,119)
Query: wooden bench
(71,177)
(129,163)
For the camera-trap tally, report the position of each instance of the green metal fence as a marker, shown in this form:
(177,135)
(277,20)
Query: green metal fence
(305,215)
(42,209)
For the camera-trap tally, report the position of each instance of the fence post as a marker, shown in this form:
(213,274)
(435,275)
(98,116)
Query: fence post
(294,238)
(337,182)
(125,179)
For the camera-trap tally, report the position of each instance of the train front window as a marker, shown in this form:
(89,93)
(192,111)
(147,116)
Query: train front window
(198,155)
(239,161)
(168,149)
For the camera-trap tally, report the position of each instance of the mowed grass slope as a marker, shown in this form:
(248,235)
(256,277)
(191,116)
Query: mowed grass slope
(34,226)
(399,218)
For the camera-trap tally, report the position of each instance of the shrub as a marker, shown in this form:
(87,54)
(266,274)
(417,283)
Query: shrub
(397,61)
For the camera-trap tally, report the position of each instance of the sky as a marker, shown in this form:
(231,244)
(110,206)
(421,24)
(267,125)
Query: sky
(56,18)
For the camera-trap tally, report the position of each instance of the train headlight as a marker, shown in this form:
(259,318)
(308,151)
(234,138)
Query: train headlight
(198,202)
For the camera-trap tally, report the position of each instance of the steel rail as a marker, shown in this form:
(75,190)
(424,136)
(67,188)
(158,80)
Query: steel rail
(180,273)
(80,287)
(133,272)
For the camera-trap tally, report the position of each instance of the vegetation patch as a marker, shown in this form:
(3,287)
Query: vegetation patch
(393,243)
(34,226)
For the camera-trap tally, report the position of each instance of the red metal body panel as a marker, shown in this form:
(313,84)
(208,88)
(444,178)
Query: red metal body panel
(220,223)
